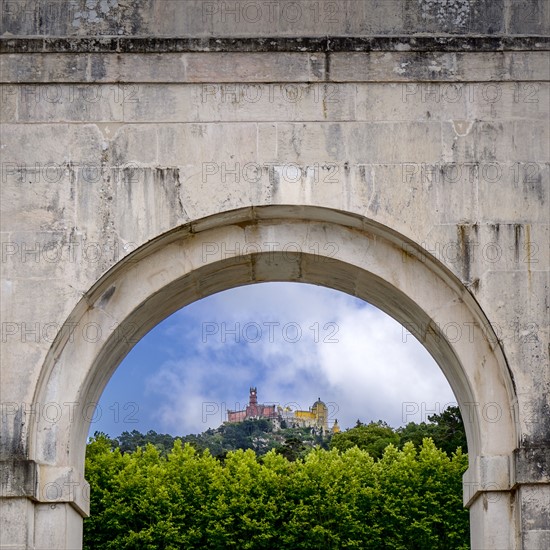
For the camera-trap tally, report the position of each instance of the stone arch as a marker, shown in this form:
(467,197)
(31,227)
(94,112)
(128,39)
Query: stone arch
(315,245)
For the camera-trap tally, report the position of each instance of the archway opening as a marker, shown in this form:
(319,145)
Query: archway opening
(289,343)
(323,247)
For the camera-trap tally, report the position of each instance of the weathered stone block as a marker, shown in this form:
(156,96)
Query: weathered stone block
(528,66)
(236,67)
(511,300)
(362,143)
(493,143)
(8,103)
(47,516)
(238,102)
(529,17)
(249,18)
(391,67)
(19,478)
(41,192)
(194,144)
(522,189)
(456,16)
(70,103)
(535,502)
(507,100)
(37,68)
(135,143)
(154,196)
(409,101)
(13,534)
(532,465)
(31,146)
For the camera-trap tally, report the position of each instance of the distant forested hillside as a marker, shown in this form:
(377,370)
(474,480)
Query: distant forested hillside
(445,429)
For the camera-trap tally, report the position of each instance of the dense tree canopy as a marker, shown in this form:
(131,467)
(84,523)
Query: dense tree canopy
(445,429)
(373,438)
(408,499)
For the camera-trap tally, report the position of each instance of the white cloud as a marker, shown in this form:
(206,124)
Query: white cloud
(369,373)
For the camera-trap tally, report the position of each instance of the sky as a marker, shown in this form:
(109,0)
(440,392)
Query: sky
(294,342)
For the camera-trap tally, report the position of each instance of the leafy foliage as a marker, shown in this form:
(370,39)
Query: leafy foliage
(373,438)
(445,429)
(147,499)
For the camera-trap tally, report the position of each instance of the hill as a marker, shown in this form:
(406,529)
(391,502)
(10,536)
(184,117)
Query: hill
(257,435)
(445,429)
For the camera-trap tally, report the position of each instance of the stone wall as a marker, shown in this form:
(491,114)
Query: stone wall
(408,141)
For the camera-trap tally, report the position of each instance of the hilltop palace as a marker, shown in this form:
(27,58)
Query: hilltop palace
(315,417)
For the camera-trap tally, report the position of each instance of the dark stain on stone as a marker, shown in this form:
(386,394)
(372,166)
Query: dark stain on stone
(532,182)
(518,230)
(107,296)
(273,181)
(97,68)
(160,174)
(317,67)
(334,141)
(136,19)
(296,139)
(19,477)
(538,423)
(128,44)
(16,448)
(167,180)
(72,179)
(49,448)
(128,178)
(27,478)
(19,434)
(246,223)
(374,204)
(177,180)
(464,235)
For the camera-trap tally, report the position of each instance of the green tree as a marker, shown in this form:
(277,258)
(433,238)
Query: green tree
(292,449)
(245,511)
(130,441)
(422,498)
(331,502)
(103,464)
(373,438)
(446,430)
